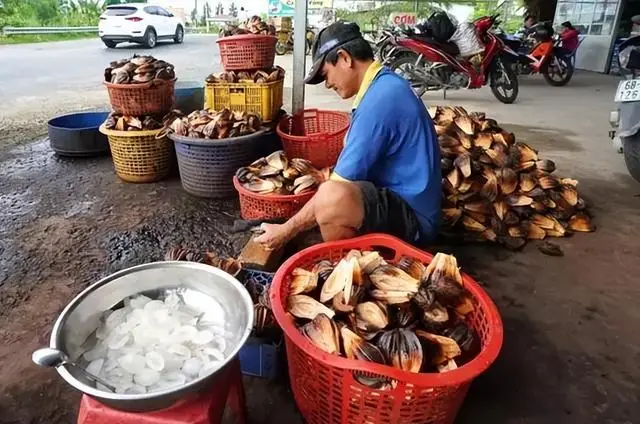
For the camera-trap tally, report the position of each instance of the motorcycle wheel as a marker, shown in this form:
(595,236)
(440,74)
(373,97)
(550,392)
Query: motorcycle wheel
(631,152)
(503,82)
(403,65)
(281,48)
(554,78)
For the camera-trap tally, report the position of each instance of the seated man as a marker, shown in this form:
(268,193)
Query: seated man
(387,178)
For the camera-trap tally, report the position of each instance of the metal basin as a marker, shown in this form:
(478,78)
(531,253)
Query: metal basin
(77,134)
(204,288)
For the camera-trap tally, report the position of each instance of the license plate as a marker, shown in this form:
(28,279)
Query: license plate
(628,91)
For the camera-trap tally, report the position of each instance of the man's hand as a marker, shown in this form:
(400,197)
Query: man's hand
(274,237)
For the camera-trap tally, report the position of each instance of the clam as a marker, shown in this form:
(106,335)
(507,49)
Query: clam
(323,332)
(402,349)
(355,347)
(435,316)
(445,348)
(390,278)
(303,306)
(412,267)
(303,281)
(371,316)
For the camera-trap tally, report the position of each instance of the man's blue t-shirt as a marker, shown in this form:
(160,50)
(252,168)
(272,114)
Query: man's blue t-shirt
(393,144)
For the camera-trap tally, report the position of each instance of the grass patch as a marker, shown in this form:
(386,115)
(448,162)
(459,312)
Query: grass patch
(43,38)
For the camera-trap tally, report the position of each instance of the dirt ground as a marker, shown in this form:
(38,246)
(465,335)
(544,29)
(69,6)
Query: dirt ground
(571,352)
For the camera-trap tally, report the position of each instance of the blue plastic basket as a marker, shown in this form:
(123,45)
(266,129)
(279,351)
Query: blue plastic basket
(207,167)
(259,357)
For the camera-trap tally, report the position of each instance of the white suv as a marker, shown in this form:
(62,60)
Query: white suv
(139,23)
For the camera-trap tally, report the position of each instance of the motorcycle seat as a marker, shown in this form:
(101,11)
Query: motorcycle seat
(447,46)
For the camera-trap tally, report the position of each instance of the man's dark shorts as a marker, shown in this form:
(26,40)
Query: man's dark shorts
(386,212)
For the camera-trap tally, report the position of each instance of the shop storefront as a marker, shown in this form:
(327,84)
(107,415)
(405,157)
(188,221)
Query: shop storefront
(603,23)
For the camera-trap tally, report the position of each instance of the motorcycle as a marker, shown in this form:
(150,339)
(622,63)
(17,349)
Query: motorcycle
(542,53)
(429,64)
(285,41)
(385,42)
(625,120)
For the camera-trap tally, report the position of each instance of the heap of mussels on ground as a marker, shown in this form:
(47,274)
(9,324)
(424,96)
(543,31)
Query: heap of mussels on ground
(409,315)
(209,124)
(259,76)
(276,174)
(499,189)
(138,70)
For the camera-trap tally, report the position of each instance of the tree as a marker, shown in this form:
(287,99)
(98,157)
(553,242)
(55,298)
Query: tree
(112,2)
(233,10)
(219,9)
(194,16)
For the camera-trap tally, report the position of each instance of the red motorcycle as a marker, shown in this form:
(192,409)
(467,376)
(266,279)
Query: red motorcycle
(431,65)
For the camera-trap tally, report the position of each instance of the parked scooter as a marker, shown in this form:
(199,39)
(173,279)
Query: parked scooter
(429,64)
(285,41)
(542,53)
(385,42)
(626,119)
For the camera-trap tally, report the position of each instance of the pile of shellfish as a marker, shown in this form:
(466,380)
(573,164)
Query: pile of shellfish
(118,122)
(229,265)
(259,76)
(211,125)
(407,315)
(277,174)
(138,70)
(498,189)
(255,26)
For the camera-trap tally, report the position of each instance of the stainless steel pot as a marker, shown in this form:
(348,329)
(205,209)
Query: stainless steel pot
(204,288)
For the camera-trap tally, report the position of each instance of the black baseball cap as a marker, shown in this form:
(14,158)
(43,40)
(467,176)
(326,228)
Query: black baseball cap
(329,39)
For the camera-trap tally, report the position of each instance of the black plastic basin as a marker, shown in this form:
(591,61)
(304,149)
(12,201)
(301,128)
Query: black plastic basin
(77,134)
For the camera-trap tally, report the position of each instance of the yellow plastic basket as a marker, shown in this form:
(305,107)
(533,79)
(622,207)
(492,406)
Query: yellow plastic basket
(138,156)
(263,99)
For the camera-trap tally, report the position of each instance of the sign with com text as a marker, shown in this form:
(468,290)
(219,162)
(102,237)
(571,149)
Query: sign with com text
(403,19)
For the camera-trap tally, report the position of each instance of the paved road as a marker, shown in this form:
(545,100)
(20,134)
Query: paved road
(31,71)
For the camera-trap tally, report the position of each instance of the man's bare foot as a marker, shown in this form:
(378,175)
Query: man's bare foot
(274,237)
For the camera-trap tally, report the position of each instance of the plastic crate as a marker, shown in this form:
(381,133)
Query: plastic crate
(315,135)
(325,385)
(258,357)
(263,99)
(250,51)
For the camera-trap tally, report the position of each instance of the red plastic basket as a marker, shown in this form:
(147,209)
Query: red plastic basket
(316,135)
(324,386)
(242,52)
(268,206)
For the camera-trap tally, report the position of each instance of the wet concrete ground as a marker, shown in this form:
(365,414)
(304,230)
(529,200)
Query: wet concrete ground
(571,351)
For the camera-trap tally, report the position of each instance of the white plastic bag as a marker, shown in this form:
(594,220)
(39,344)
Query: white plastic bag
(466,39)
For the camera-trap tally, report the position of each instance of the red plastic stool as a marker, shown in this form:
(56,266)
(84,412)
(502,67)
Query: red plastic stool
(206,408)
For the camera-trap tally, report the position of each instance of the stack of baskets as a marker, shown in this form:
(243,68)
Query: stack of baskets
(247,53)
(207,166)
(140,156)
